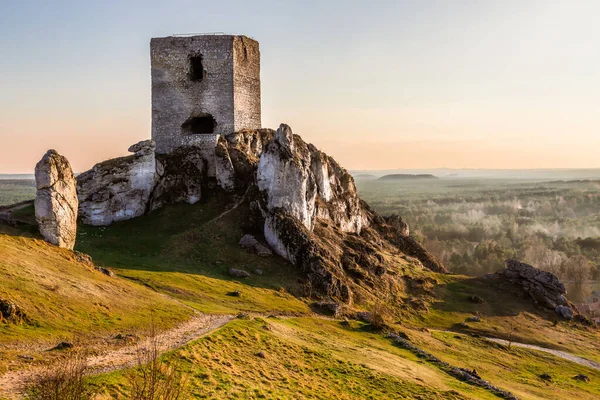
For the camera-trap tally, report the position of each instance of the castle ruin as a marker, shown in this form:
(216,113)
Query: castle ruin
(203,86)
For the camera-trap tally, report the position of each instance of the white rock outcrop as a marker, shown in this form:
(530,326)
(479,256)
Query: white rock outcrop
(56,200)
(118,189)
(306,184)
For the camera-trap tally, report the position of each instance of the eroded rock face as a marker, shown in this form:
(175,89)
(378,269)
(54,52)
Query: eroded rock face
(118,189)
(180,177)
(543,287)
(56,200)
(305,183)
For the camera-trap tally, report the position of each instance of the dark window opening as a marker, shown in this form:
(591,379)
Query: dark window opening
(199,125)
(197,71)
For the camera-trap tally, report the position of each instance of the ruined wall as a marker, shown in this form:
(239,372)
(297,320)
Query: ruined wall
(246,83)
(229,96)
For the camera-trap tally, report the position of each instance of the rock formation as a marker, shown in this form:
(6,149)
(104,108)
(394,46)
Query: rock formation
(543,287)
(118,189)
(56,200)
(299,199)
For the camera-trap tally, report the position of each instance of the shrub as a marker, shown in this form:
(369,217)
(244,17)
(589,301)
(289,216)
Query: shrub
(153,378)
(65,380)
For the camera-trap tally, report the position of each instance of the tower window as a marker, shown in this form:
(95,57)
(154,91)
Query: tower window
(197,71)
(201,124)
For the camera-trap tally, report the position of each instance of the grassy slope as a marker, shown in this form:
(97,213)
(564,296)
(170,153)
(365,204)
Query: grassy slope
(305,358)
(179,252)
(67,300)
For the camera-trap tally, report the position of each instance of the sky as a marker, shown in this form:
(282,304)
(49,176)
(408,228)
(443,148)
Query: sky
(376,84)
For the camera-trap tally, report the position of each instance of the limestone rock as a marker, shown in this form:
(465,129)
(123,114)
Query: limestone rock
(240,273)
(564,312)
(399,224)
(543,287)
(304,183)
(224,171)
(56,200)
(249,242)
(180,177)
(118,189)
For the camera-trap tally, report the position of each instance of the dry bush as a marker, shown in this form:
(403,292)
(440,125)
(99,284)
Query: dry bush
(379,314)
(153,379)
(65,380)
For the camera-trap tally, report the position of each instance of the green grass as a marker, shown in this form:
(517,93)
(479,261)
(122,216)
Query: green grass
(67,300)
(516,370)
(502,312)
(178,251)
(304,358)
(16,190)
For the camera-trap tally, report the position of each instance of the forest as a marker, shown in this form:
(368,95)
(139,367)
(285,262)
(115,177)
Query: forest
(473,224)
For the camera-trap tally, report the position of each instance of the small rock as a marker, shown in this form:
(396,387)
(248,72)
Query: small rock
(463,325)
(258,271)
(235,293)
(243,316)
(249,242)
(106,271)
(581,378)
(25,357)
(84,258)
(262,250)
(364,316)
(475,299)
(11,312)
(474,318)
(240,273)
(564,312)
(546,377)
(261,354)
(63,346)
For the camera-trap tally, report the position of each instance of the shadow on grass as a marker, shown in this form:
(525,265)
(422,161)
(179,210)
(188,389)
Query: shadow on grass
(485,296)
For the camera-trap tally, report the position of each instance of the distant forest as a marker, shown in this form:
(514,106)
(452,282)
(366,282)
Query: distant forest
(473,225)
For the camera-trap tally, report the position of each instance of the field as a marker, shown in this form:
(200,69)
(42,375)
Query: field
(16,190)
(474,224)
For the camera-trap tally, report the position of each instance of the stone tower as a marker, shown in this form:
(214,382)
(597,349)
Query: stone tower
(203,86)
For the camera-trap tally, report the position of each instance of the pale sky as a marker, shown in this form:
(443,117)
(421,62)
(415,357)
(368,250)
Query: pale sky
(376,84)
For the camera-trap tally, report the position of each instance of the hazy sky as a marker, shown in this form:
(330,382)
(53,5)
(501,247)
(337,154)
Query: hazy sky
(376,84)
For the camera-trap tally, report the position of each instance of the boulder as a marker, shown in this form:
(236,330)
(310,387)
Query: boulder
(564,312)
(240,273)
(56,200)
(11,312)
(543,287)
(249,242)
(118,189)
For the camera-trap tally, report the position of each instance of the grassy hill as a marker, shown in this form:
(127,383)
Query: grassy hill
(177,259)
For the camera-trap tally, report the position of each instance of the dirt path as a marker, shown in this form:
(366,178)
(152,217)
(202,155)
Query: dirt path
(13,383)
(567,356)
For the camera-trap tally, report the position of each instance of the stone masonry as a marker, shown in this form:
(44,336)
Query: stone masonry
(202,87)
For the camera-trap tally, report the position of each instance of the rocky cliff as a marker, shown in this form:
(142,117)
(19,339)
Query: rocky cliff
(301,201)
